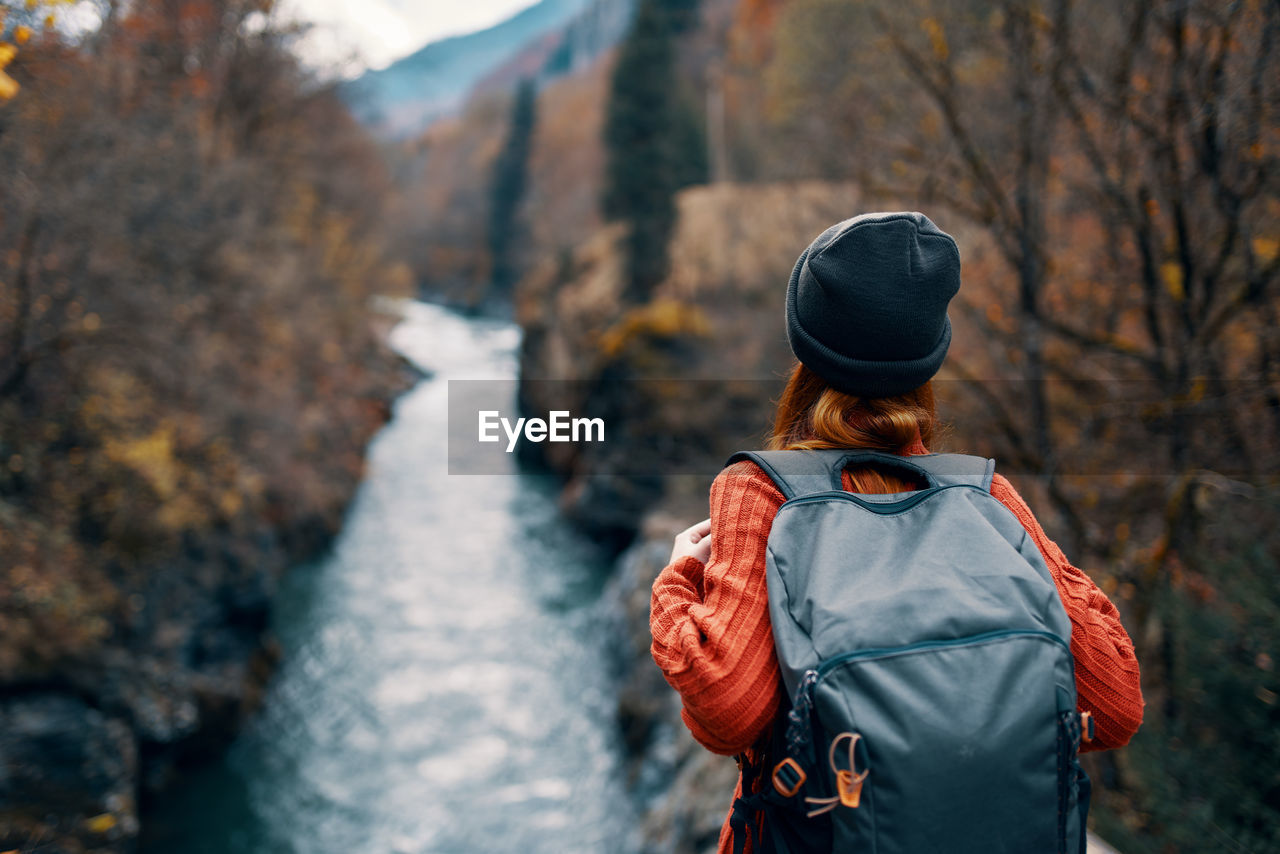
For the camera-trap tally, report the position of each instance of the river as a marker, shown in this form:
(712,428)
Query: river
(444,686)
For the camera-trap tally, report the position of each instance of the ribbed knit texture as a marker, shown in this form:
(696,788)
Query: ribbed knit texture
(714,643)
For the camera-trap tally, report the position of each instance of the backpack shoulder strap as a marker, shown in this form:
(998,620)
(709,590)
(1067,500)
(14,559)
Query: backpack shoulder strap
(953,469)
(799,473)
(794,472)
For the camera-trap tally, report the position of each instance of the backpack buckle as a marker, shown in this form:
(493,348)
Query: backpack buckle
(1086,727)
(788,777)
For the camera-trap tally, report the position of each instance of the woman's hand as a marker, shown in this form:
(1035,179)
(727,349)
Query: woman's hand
(694,542)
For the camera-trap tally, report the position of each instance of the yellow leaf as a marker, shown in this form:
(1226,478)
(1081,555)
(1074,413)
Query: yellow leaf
(1265,248)
(101,823)
(659,319)
(230,502)
(937,38)
(1172,273)
(151,456)
(8,87)
(7,53)
(21,34)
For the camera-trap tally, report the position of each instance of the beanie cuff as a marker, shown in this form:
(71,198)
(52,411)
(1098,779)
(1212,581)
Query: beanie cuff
(861,377)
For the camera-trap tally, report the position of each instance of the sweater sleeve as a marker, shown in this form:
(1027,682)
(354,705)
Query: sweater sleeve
(710,624)
(1107,678)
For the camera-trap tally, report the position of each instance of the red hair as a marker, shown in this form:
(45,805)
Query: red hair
(812,415)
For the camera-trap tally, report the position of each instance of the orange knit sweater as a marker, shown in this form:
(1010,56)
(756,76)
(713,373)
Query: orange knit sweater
(713,641)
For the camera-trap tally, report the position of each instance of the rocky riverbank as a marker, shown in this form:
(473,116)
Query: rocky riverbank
(683,789)
(188,379)
(172,654)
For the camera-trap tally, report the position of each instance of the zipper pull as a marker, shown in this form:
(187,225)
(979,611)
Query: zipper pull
(850,787)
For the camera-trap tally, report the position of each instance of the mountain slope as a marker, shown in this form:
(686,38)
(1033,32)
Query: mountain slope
(568,50)
(403,97)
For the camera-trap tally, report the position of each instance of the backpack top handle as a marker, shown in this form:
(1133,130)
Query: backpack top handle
(799,472)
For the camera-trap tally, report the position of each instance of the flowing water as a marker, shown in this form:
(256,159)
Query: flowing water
(444,686)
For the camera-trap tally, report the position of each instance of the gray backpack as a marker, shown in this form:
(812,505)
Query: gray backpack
(927,659)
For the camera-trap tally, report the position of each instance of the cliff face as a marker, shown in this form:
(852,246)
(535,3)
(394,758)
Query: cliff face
(684,378)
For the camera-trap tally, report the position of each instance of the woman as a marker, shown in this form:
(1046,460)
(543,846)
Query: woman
(866,319)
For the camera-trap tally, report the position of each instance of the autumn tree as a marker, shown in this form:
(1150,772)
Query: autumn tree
(189,235)
(652,138)
(507,188)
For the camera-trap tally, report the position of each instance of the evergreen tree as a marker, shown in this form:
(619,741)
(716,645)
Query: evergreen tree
(507,188)
(652,140)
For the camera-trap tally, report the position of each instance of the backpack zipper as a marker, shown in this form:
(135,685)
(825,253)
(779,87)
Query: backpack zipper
(883,508)
(884,652)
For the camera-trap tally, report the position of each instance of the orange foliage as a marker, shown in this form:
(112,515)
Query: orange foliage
(189,235)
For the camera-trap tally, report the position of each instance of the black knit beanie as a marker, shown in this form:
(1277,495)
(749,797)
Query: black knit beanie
(867,303)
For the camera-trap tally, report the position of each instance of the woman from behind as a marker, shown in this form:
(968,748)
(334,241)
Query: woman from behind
(866,319)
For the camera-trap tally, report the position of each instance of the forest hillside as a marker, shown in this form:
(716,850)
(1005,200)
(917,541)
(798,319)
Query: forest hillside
(190,230)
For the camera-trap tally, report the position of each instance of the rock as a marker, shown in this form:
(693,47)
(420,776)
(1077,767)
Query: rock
(683,789)
(689,819)
(84,737)
(68,774)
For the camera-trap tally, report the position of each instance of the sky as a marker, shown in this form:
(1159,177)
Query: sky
(351,35)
